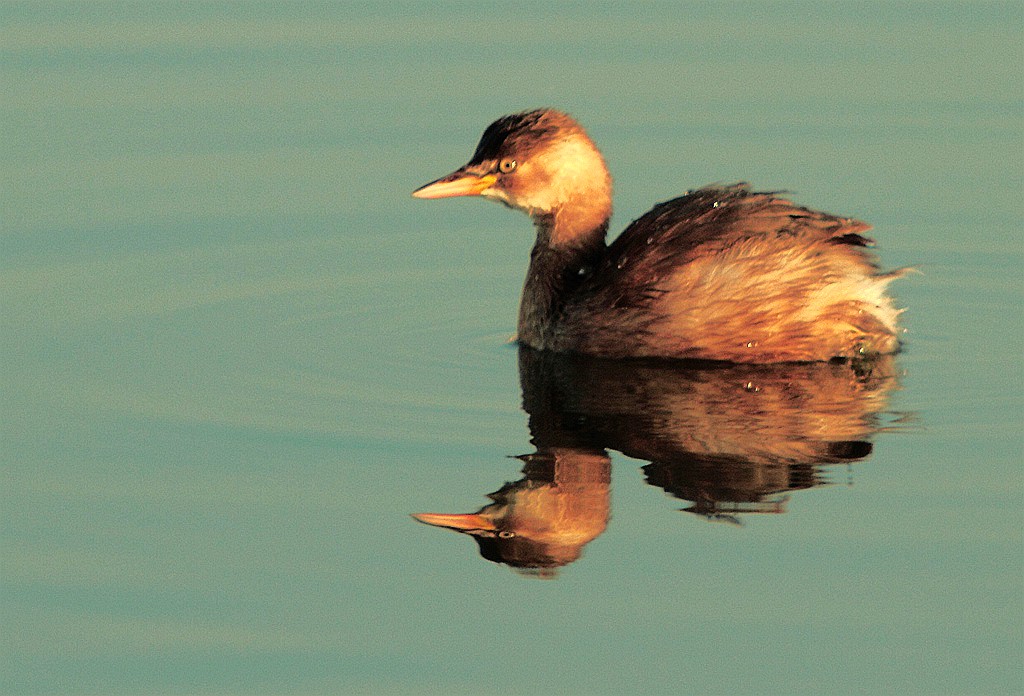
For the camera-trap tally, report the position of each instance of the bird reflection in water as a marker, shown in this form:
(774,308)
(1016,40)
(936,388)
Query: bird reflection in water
(544,520)
(732,439)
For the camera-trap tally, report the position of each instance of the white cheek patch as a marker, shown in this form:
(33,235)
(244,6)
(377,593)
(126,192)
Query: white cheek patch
(579,163)
(535,199)
(496,194)
(572,167)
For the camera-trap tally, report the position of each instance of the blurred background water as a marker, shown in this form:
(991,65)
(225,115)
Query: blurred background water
(236,354)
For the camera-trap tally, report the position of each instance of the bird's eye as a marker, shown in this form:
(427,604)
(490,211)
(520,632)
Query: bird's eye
(506,165)
(504,534)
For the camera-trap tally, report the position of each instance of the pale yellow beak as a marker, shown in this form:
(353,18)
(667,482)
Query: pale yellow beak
(458,183)
(460,523)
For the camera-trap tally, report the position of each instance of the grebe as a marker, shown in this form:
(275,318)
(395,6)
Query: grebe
(720,273)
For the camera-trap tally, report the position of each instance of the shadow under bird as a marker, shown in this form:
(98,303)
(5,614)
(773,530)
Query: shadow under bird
(720,273)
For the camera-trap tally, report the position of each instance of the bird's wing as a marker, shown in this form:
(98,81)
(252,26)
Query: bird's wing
(636,283)
(705,222)
(710,218)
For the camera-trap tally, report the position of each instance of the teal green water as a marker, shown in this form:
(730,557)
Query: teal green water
(236,355)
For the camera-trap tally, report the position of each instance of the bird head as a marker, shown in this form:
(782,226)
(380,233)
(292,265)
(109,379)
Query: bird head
(541,162)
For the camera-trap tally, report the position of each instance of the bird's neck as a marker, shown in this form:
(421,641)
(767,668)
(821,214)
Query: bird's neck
(563,257)
(577,218)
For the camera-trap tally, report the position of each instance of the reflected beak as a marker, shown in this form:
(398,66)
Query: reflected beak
(460,523)
(458,183)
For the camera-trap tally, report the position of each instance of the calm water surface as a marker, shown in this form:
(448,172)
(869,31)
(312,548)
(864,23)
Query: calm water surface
(237,356)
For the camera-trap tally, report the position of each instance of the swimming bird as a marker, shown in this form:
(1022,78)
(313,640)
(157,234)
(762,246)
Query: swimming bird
(720,273)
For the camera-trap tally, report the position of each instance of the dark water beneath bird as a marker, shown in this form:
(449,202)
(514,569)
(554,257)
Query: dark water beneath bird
(237,356)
